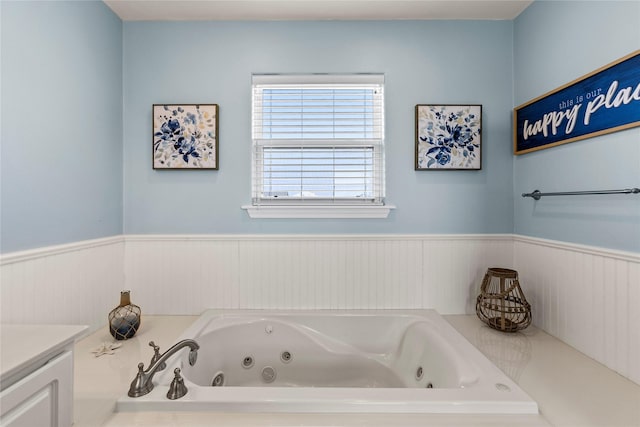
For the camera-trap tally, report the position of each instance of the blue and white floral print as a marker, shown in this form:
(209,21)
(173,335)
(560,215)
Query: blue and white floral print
(448,136)
(185,136)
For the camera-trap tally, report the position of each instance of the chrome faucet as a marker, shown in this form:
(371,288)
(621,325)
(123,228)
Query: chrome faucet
(143,384)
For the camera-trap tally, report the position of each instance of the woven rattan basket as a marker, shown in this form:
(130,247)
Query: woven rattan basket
(501,303)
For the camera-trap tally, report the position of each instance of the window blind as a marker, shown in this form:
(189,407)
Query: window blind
(318,139)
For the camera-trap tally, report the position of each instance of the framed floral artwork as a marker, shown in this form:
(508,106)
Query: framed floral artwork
(185,136)
(448,137)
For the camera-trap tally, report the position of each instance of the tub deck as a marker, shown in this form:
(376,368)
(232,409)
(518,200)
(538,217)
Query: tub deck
(549,370)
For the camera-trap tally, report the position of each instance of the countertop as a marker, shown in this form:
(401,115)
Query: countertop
(571,389)
(27,347)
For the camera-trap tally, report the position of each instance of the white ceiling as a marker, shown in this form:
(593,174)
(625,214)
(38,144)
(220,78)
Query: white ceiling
(280,10)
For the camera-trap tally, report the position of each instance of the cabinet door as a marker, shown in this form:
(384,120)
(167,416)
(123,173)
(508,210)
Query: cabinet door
(42,398)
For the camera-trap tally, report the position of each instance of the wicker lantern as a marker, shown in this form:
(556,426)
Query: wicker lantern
(501,303)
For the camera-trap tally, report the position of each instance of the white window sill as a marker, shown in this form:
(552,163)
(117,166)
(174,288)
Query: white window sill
(301,211)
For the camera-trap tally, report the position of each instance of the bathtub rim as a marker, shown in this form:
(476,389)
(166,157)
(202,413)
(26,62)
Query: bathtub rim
(344,399)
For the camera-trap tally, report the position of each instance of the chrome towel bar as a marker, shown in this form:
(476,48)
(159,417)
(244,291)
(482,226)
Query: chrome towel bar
(536,194)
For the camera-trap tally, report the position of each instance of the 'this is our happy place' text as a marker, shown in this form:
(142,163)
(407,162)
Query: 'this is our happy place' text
(569,110)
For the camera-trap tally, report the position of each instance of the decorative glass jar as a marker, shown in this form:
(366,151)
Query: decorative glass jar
(124,320)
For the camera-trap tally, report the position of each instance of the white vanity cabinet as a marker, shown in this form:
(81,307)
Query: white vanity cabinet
(36,383)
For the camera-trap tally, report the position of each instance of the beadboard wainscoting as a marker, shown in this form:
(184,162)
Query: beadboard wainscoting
(76,283)
(188,274)
(587,297)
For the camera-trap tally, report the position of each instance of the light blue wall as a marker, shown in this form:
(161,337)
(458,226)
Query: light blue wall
(63,100)
(556,42)
(61,167)
(423,62)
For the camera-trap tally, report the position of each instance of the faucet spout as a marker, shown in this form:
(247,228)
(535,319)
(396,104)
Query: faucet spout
(143,382)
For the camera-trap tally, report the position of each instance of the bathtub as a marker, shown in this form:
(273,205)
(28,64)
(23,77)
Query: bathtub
(333,361)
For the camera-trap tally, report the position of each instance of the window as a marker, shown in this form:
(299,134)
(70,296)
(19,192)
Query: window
(318,140)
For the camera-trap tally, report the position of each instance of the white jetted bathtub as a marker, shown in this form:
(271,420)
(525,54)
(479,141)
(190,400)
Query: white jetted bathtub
(332,361)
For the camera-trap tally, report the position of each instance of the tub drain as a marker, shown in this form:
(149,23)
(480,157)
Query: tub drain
(268,374)
(218,380)
(429,385)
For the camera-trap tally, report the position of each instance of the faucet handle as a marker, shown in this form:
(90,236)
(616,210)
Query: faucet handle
(156,356)
(140,386)
(177,389)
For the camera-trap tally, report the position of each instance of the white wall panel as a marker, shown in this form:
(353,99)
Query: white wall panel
(77,283)
(181,275)
(586,296)
(187,274)
(330,273)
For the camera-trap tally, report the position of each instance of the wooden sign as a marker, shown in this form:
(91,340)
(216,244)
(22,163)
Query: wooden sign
(604,101)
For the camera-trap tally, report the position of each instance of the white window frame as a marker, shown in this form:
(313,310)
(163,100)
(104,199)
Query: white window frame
(272,207)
